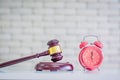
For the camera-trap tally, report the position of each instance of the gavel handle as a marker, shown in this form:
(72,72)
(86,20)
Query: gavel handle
(12,62)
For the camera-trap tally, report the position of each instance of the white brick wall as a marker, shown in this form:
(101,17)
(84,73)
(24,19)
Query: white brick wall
(27,25)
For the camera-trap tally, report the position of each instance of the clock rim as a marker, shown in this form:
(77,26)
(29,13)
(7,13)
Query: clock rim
(85,64)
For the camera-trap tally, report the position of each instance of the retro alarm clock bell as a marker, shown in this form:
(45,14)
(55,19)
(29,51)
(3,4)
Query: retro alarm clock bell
(90,56)
(54,51)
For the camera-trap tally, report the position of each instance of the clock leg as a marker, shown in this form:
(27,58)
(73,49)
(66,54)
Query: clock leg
(84,69)
(98,69)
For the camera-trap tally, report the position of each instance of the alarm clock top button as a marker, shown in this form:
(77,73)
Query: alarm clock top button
(83,44)
(98,44)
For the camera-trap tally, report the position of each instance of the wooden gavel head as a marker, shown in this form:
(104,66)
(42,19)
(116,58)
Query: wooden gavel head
(55,50)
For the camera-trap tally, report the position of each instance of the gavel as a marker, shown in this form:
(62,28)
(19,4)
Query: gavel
(54,50)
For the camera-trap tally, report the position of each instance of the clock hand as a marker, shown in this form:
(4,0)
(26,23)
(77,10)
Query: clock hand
(92,56)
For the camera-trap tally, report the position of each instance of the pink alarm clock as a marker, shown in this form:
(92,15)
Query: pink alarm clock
(90,56)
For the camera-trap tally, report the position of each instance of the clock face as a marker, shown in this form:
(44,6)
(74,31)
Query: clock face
(90,57)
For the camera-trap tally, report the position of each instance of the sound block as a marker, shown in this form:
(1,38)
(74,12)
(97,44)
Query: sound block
(54,66)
